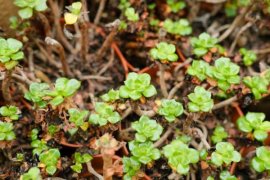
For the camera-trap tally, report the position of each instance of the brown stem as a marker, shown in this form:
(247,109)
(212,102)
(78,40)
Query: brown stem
(84,41)
(106,44)
(5,86)
(100,10)
(92,171)
(225,103)
(163,137)
(107,163)
(56,13)
(162,81)
(61,52)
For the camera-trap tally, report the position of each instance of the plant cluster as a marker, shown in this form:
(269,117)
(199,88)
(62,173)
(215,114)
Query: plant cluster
(10,52)
(79,159)
(180,156)
(147,129)
(261,162)
(170,109)
(203,44)
(10,112)
(164,52)
(78,117)
(28,7)
(38,145)
(111,96)
(176,5)
(255,123)
(257,84)
(136,86)
(144,152)
(200,69)
(219,134)
(200,100)
(104,113)
(248,56)
(225,154)
(41,94)
(6,131)
(49,160)
(180,27)
(226,73)
(72,16)
(32,174)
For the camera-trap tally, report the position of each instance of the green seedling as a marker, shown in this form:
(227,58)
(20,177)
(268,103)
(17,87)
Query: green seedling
(19,156)
(225,154)
(261,162)
(147,129)
(52,129)
(176,5)
(232,6)
(104,113)
(38,145)
(154,22)
(257,84)
(255,123)
(32,174)
(37,93)
(170,109)
(64,88)
(111,96)
(199,69)
(136,86)
(28,7)
(164,52)
(219,134)
(10,52)
(77,117)
(72,16)
(203,44)
(124,4)
(144,152)
(180,27)
(6,131)
(248,56)
(200,100)
(226,73)
(10,112)
(203,154)
(131,167)
(226,175)
(131,15)
(180,156)
(49,159)
(79,159)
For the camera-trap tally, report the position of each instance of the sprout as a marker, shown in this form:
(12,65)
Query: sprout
(10,52)
(29,6)
(49,159)
(226,73)
(262,160)
(225,153)
(164,52)
(257,84)
(111,96)
(6,131)
(72,16)
(180,156)
(249,57)
(131,14)
(219,134)
(79,159)
(199,69)
(136,86)
(200,100)
(32,174)
(254,122)
(104,114)
(131,166)
(203,44)
(181,27)
(11,112)
(170,109)
(147,129)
